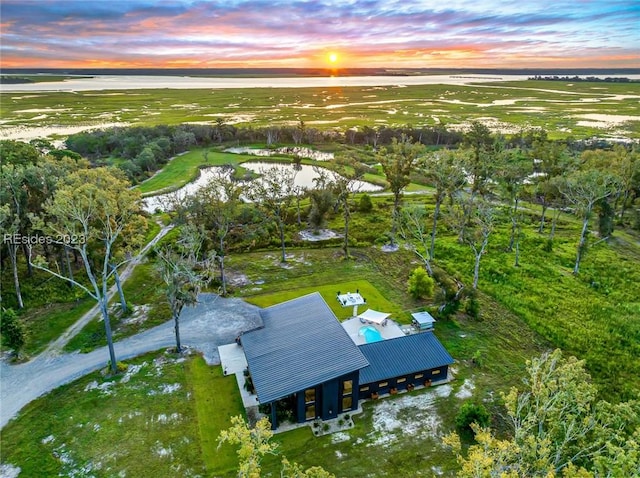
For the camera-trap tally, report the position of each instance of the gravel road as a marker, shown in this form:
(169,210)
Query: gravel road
(214,321)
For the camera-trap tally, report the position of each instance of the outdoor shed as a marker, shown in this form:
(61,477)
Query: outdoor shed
(423,320)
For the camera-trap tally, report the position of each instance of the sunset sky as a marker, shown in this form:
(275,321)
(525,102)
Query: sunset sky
(300,34)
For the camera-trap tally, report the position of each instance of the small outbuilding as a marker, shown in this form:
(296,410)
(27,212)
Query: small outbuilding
(423,320)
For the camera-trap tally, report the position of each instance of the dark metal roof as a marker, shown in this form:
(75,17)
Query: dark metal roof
(402,356)
(301,345)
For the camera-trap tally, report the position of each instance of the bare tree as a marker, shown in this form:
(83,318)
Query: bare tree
(346,180)
(273,192)
(413,227)
(183,274)
(95,212)
(398,162)
(583,190)
(477,227)
(444,171)
(514,167)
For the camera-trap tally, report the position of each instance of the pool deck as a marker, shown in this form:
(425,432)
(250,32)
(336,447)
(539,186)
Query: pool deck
(390,331)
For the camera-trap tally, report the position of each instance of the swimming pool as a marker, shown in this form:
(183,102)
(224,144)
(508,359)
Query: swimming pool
(370,334)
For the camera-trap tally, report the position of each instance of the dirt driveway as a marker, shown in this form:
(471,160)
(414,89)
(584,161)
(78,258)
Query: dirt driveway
(214,321)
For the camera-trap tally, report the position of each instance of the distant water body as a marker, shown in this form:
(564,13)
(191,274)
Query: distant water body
(136,82)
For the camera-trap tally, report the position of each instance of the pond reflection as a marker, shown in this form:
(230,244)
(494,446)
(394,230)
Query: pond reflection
(304,177)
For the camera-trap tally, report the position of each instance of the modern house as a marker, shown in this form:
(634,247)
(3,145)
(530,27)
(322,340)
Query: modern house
(304,357)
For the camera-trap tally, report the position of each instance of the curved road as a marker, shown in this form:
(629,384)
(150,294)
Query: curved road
(214,321)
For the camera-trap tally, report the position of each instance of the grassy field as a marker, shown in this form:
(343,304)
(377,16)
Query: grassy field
(375,300)
(557,106)
(142,423)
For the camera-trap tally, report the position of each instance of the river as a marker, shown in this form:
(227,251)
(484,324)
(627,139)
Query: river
(136,82)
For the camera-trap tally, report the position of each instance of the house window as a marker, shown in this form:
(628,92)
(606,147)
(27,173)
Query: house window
(310,403)
(310,395)
(347,395)
(383,384)
(310,411)
(401,380)
(419,375)
(435,372)
(364,389)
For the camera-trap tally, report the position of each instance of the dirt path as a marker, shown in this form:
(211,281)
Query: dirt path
(57,345)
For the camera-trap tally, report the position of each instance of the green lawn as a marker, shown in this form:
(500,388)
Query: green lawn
(45,324)
(375,300)
(217,399)
(184,169)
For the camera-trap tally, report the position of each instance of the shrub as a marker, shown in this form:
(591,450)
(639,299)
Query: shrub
(121,367)
(477,358)
(472,306)
(420,284)
(12,330)
(365,204)
(472,413)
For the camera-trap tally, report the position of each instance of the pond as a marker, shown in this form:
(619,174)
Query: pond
(304,178)
(291,150)
(163,202)
(305,175)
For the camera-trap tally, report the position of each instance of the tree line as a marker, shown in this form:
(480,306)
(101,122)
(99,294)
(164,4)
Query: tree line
(478,185)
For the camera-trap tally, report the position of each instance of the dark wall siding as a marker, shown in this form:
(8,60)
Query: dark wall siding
(328,398)
(417,379)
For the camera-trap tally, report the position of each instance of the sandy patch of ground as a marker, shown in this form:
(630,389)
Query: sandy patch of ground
(7,470)
(104,387)
(365,103)
(492,123)
(596,120)
(413,415)
(42,110)
(321,235)
(466,390)
(138,315)
(234,119)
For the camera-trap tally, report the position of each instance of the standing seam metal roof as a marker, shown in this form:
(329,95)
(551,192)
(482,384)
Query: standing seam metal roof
(402,356)
(301,345)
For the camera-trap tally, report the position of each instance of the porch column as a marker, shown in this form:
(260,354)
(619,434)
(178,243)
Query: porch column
(274,418)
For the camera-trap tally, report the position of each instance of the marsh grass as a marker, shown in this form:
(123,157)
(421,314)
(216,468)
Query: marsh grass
(557,106)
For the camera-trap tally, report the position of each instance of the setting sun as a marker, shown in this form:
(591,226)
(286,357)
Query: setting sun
(333,57)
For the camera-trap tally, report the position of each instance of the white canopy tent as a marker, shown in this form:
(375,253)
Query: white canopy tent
(374,316)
